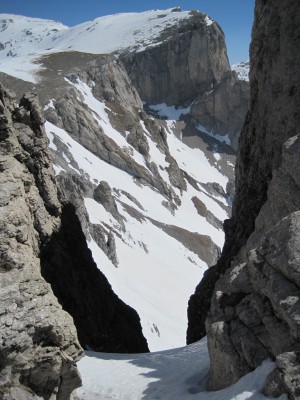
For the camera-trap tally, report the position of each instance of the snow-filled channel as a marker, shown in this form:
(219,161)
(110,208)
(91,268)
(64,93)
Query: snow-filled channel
(177,374)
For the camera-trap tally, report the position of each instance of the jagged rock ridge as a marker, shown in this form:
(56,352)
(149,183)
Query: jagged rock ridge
(254,310)
(39,344)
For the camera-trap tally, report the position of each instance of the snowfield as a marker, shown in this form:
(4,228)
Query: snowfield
(177,374)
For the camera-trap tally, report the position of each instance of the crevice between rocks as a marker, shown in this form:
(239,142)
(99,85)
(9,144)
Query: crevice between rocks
(103,321)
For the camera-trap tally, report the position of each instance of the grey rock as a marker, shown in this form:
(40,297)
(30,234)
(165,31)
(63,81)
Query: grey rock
(39,344)
(111,245)
(175,174)
(274,386)
(40,237)
(103,195)
(159,73)
(221,110)
(261,244)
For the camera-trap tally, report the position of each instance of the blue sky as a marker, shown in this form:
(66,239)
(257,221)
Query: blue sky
(234,16)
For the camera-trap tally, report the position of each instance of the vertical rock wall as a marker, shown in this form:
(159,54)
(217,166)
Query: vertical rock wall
(189,58)
(255,306)
(39,345)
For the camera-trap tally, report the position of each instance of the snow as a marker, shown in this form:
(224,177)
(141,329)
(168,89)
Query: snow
(98,214)
(151,277)
(158,157)
(242,70)
(58,169)
(220,138)
(26,39)
(194,161)
(169,112)
(23,39)
(156,280)
(100,115)
(156,273)
(177,374)
(208,20)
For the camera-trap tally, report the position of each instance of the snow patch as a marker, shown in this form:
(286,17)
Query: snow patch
(169,112)
(208,20)
(220,138)
(178,374)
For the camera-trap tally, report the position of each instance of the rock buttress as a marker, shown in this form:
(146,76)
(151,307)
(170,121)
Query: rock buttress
(253,309)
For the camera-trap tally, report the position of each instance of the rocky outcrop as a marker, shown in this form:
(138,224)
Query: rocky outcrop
(190,67)
(222,109)
(189,57)
(110,85)
(39,346)
(255,310)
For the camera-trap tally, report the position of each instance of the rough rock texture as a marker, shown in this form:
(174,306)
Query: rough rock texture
(255,306)
(222,109)
(112,86)
(190,56)
(39,345)
(102,194)
(190,66)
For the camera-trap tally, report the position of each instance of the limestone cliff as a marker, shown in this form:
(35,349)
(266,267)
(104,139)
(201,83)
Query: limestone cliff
(189,66)
(42,241)
(189,57)
(255,310)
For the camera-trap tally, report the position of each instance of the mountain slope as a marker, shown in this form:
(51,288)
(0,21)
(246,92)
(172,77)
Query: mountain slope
(150,191)
(141,208)
(27,38)
(193,66)
(242,69)
(150,206)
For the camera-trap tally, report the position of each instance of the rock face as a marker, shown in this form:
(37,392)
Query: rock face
(222,110)
(39,346)
(255,310)
(190,66)
(189,58)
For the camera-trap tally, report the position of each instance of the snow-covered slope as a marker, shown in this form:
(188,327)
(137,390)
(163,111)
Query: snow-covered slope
(242,70)
(177,374)
(24,39)
(158,243)
(161,225)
